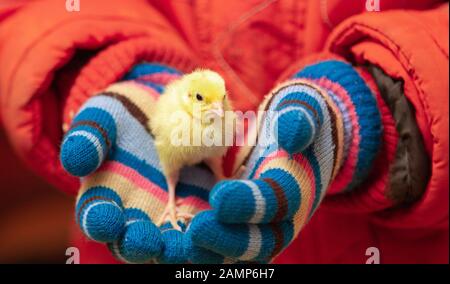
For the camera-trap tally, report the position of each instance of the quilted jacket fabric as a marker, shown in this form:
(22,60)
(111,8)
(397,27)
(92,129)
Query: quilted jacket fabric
(52,60)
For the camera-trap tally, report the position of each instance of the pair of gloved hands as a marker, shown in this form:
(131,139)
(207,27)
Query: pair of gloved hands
(303,143)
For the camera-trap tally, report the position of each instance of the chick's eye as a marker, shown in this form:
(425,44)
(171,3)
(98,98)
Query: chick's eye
(199,97)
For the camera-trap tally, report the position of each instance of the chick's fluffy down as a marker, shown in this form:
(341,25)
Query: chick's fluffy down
(182,139)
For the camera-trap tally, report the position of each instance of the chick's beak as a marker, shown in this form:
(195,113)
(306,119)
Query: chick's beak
(217,109)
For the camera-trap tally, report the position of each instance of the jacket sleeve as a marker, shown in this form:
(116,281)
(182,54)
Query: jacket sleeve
(419,62)
(52,60)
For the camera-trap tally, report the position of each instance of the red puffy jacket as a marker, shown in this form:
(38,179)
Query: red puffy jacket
(51,60)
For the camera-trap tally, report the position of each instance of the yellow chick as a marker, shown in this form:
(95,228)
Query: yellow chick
(196,108)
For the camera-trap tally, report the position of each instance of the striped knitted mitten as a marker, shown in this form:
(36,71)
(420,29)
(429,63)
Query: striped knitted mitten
(123,192)
(327,131)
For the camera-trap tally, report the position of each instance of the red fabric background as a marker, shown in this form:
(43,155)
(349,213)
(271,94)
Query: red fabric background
(47,71)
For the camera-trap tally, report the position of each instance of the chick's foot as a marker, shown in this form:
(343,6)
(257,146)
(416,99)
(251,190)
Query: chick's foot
(239,172)
(172,214)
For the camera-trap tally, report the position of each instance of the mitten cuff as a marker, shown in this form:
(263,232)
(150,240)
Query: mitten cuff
(358,109)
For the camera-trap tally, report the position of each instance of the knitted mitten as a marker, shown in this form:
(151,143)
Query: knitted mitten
(321,132)
(123,192)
